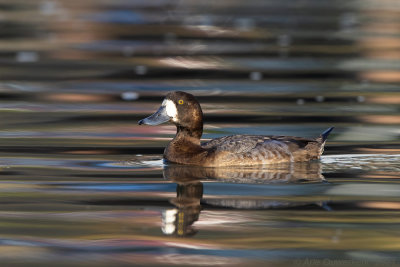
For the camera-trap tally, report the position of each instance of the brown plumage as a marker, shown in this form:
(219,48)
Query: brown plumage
(185,112)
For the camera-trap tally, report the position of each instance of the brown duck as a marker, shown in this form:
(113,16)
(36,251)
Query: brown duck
(183,110)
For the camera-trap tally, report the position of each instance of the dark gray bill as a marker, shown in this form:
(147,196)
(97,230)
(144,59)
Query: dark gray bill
(157,118)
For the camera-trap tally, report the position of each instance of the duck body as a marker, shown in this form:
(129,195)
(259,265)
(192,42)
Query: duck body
(185,112)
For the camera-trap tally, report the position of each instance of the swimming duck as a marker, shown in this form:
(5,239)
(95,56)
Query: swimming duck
(183,110)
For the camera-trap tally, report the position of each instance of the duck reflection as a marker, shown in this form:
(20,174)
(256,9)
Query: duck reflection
(178,221)
(189,190)
(274,173)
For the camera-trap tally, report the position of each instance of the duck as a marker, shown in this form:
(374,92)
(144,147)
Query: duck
(184,111)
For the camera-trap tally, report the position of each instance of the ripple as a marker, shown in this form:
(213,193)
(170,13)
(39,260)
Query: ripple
(362,162)
(133,164)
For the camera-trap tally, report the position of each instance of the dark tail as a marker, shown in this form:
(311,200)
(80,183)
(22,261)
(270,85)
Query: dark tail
(325,134)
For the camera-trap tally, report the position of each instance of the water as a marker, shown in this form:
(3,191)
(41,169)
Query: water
(82,184)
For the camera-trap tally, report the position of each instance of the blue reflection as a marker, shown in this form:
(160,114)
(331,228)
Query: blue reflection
(228,189)
(117,16)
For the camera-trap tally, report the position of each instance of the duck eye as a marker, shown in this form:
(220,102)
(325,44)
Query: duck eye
(180,102)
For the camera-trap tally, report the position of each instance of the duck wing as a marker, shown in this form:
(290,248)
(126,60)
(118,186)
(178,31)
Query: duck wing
(246,143)
(261,149)
(250,149)
(235,143)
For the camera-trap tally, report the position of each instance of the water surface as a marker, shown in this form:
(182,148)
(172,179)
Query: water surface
(82,184)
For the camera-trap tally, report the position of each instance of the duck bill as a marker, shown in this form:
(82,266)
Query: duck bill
(157,118)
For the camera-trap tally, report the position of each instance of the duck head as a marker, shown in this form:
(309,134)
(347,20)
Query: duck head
(181,109)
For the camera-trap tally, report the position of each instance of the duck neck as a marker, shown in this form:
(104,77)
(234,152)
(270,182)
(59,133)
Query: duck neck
(185,148)
(193,134)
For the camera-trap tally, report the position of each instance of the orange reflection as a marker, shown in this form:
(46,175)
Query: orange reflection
(378,150)
(392,99)
(379,43)
(77,97)
(381,76)
(380,205)
(384,119)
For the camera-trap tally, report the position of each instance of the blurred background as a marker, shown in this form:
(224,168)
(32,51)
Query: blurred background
(288,67)
(82,182)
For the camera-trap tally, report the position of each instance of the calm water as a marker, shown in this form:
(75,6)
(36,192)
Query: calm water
(82,184)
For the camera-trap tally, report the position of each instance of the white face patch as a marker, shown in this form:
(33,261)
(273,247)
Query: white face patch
(170,108)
